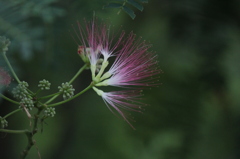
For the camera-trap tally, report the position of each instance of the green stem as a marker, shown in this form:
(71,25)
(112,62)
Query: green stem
(65,101)
(30,135)
(36,120)
(30,91)
(11,69)
(74,77)
(13,131)
(78,73)
(54,97)
(48,96)
(11,113)
(39,90)
(10,100)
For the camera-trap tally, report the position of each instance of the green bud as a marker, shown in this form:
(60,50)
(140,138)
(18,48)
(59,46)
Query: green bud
(50,112)
(27,102)
(44,84)
(67,90)
(4,43)
(3,122)
(20,91)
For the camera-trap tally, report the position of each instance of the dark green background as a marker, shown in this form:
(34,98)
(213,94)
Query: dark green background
(194,114)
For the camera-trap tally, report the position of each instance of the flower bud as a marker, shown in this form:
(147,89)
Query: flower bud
(20,91)
(27,102)
(4,43)
(44,84)
(3,122)
(50,112)
(67,90)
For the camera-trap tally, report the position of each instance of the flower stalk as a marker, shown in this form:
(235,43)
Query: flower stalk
(13,131)
(8,99)
(11,113)
(11,69)
(75,96)
(71,81)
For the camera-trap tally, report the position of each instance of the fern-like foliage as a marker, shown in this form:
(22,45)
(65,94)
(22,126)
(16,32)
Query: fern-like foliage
(127,5)
(24,23)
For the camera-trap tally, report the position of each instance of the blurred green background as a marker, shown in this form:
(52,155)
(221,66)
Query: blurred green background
(194,114)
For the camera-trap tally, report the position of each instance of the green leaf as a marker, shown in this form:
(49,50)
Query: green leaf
(129,12)
(113,5)
(135,4)
(143,1)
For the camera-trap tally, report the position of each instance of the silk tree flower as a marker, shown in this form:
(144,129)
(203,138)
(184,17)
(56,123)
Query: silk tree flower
(5,78)
(134,65)
(133,69)
(96,43)
(122,100)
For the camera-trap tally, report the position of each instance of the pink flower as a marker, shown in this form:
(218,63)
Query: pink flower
(96,42)
(122,100)
(5,78)
(134,66)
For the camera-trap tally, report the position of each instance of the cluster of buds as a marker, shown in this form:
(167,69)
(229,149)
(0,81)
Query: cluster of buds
(44,84)
(50,112)
(4,43)
(67,90)
(27,102)
(20,91)
(3,122)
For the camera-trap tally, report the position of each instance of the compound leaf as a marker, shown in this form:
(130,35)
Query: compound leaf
(113,5)
(129,11)
(135,4)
